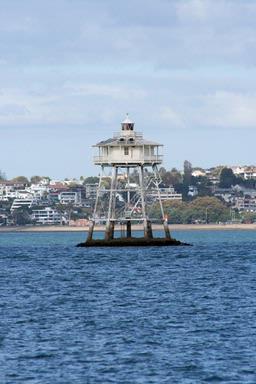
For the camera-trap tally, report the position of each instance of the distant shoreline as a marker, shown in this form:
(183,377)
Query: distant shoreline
(173,227)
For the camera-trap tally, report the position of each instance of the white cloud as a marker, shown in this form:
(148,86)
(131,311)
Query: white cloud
(226,110)
(71,103)
(188,64)
(105,90)
(171,117)
(13,110)
(192,10)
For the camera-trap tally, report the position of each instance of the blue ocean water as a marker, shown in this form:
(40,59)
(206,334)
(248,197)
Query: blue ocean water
(137,315)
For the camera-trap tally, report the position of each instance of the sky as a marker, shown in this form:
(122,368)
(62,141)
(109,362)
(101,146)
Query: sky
(70,70)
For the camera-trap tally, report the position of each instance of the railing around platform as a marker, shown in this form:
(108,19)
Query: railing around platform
(124,160)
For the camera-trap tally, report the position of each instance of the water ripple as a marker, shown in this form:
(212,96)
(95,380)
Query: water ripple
(160,315)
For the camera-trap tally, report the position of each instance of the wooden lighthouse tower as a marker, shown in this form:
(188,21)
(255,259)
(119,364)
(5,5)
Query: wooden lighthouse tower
(127,199)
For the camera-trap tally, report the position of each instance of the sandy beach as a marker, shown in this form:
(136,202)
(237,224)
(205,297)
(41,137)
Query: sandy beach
(173,227)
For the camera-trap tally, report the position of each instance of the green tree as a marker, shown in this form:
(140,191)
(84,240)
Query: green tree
(21,180)
(80,213)
(187,180)
(216,170)
(202,209)
(248,217)
(210,209)
(21,216)
(35,179)
(91,180)
(227,178)
(74,185)
(203,185)
(187,175)
(2,175)
(172,177)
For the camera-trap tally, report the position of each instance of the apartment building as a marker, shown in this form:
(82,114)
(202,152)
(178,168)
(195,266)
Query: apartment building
(91,190)
(245,204)
(22,203)
(166,194)
(46,216)
(70,197)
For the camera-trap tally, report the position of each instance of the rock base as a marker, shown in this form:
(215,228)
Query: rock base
(132,242)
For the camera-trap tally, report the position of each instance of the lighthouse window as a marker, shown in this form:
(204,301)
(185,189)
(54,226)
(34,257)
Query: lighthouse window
(126,150)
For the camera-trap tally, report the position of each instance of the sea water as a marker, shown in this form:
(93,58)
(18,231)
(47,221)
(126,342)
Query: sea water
(134,315)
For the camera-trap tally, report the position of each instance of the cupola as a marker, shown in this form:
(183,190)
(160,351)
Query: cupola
(127,124)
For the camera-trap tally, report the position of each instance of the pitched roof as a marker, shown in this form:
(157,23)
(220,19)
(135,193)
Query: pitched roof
(115,141)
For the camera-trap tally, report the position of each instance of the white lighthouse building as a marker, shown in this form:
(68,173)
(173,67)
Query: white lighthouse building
(132,163)
(128,149)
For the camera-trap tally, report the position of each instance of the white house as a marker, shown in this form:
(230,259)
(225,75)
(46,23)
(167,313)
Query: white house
(192,191)
(198,173)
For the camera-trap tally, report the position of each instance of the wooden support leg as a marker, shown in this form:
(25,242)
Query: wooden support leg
(107,231)
(112,229)
(149,230)
(145,229)
(166,229)
(90,231)
(129,229)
